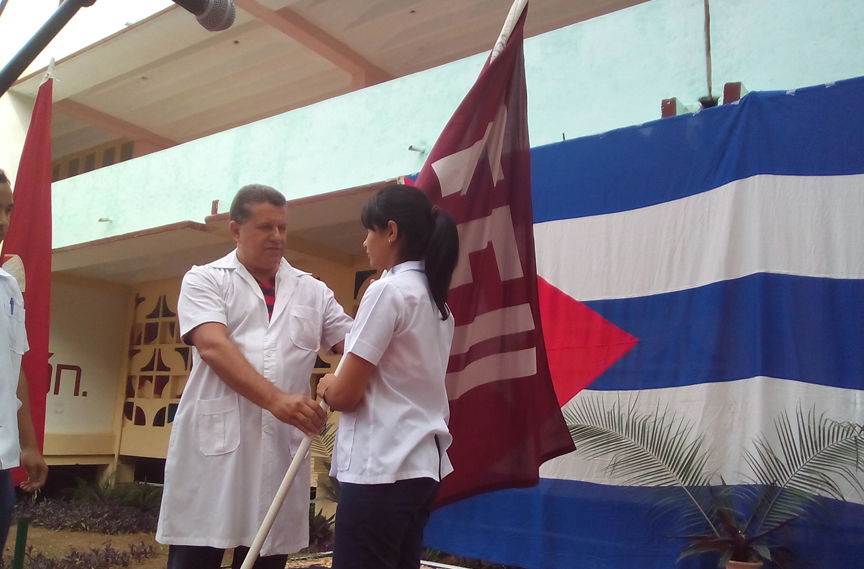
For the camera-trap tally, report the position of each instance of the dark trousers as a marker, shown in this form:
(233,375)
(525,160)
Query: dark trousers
(7,503)
(201,557)
(380,526)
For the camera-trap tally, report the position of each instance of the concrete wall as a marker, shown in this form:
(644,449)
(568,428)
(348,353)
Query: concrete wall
(591,77)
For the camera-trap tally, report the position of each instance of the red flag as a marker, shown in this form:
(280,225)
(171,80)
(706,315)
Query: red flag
(504,415)
(27,252)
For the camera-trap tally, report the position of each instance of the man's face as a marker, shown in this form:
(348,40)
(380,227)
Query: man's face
(261,238)
(6,205)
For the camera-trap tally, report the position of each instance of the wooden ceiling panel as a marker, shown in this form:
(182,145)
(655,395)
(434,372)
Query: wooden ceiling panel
(185,71)
(62,125)
(206,102)
(409,36)
(134,73)
(274,100)
(155,38)
(79,139)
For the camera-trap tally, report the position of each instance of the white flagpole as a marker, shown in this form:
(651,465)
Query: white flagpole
(515,12)
(276,505)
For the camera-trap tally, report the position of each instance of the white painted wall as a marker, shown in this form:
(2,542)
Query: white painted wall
(15,112)
(88,329)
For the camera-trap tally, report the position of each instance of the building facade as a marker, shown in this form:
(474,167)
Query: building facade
(159,123)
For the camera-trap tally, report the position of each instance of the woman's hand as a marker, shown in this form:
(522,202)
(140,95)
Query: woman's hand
(323,384)
(345,391)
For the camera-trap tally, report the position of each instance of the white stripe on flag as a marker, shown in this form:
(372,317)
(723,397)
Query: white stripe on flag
(731,414)
(507,365)
(810,226)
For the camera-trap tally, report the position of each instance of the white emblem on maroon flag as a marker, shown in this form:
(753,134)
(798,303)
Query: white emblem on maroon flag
(504,414)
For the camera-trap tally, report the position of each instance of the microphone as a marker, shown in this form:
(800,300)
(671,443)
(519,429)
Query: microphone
(214,15)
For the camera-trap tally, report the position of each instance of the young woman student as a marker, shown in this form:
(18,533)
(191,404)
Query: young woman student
(391,449)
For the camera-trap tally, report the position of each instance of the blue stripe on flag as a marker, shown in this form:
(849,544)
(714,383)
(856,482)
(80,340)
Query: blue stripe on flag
(766,133)
(564,523)
(784,326)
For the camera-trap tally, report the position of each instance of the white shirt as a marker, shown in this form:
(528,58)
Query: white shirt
(227,456)
(391,434)
(11,327)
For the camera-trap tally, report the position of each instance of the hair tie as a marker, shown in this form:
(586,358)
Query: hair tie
(434,211)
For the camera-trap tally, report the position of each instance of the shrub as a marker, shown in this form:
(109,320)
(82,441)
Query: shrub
(141,495)
(105,557)
(320,526)
(98,508)
(107,517)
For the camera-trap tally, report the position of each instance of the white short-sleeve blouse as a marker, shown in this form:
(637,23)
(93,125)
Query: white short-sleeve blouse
(398,431)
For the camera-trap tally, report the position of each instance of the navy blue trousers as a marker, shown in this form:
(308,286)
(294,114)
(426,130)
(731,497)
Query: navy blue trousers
(380,526)
(202,557)
(7,503)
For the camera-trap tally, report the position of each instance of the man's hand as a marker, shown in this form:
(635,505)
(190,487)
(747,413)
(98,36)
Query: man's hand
(304,413)
(36,469)
(31,459)
(223,356)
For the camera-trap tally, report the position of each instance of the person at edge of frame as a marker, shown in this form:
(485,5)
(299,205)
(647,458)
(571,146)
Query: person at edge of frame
(18,445)
(257,324)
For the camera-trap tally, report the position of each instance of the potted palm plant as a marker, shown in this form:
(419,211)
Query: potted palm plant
(732,535)
(745,525)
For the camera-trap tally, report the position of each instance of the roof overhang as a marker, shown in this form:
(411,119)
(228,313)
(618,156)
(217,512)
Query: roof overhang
(325,226)
(166,80)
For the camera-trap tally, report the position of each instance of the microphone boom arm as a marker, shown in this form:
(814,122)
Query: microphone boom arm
(25,56)
(214,15)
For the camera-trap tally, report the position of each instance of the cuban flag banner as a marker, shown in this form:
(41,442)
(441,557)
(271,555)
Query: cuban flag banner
(709,267)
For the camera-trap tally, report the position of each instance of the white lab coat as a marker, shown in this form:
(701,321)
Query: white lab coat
(227,456)
(391,434)
(11,327)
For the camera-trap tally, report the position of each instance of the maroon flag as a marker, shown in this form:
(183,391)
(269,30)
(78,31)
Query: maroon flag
(27,252)
(504,413)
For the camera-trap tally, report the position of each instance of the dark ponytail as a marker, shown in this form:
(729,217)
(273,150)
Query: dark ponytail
(426,232)
(441,257)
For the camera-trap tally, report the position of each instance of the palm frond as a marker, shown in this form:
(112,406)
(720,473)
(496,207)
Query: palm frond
(644,450)
(324,442)
(816,455)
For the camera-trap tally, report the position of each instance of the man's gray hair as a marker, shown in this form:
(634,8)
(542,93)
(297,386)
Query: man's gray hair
(3,178)
(241,207)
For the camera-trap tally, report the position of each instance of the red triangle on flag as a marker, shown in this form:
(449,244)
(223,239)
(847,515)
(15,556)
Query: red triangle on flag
(580,344)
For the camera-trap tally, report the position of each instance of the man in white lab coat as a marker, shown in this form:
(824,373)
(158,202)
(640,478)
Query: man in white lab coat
(257,324)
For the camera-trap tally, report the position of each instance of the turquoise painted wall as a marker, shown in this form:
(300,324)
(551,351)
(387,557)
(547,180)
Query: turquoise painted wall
(609,72)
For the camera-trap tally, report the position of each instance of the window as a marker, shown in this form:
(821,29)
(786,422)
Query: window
(92,159)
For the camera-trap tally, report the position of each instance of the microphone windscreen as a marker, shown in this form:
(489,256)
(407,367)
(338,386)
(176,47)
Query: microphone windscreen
(218,16)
